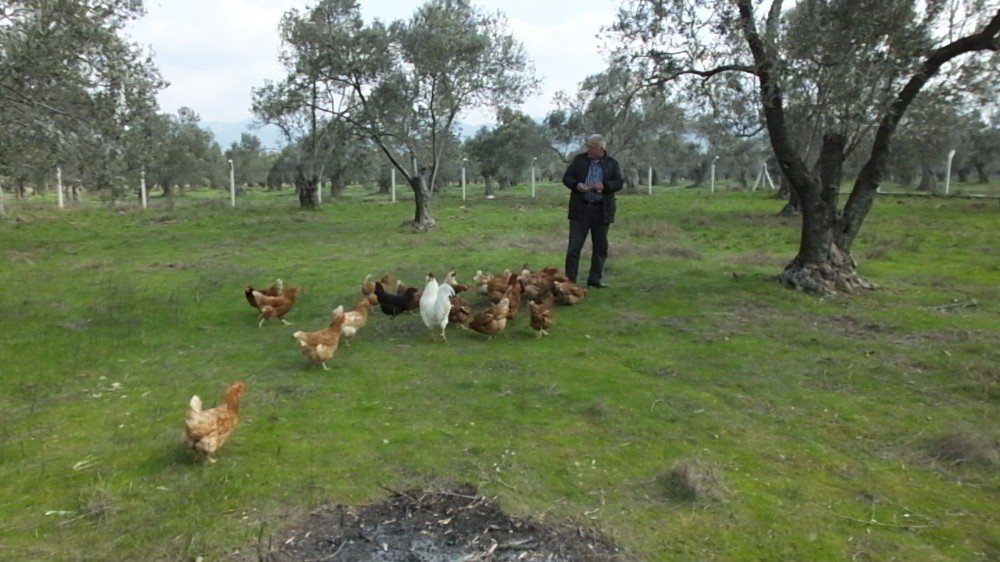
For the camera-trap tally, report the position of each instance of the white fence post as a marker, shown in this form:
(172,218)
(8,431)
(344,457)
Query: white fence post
(947,176)
(712,188)
(232,184)
(59,188)
(764,177)
(142,186)
(533,177)
(464,160)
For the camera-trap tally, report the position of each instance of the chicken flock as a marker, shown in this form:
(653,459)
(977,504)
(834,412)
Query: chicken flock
(439,304)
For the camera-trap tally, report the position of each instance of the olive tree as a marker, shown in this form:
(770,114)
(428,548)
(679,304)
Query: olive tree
(504,152)
(401,86)
(861,67)
(71,86)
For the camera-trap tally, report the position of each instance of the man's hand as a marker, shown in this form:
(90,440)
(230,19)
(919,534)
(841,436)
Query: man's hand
(583,187)
(598,187)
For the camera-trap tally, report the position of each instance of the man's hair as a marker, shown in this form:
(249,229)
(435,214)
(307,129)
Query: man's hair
(598,139)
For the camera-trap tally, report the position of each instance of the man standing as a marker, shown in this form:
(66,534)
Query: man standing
(592,177)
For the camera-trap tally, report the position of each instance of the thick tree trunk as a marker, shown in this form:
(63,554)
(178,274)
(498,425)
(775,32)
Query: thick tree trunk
(821,266)
(307,188)
(422,218)
(633,179)
(981,172)
(338,184)
(700,172)
(928,181)
(488,180)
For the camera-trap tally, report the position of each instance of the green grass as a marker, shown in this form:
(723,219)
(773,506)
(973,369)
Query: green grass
(830,425)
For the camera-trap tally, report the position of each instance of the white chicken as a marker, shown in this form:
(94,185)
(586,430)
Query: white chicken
(435,305)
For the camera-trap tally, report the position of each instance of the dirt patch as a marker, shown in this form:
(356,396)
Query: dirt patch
(432,526)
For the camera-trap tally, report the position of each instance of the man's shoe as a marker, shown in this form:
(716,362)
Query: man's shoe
(597,285)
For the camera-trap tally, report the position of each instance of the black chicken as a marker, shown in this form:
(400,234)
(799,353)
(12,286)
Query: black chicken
(394,305)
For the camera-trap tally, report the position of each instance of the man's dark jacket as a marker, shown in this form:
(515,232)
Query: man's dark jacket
(576,173)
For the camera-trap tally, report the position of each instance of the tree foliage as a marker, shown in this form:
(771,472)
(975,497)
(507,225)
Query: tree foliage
(845,72)
(400,86)
(71,87)
(506,151)
(175,151)
(642,127)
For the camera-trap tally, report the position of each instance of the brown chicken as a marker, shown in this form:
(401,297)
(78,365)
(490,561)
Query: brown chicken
(514,297)
(451,280)
(567,292)
(537,284)
(275,290)
(491,321)
(498,287)
(402,289)
(206,430)
(542,317)
(484,282)
(368,286)
(355,319)
(319,347)
(460,312)
(276,307)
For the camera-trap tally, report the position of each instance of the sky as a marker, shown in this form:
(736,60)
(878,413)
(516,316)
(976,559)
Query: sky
(212,52)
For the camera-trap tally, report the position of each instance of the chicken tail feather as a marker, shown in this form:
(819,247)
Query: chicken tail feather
(195,404)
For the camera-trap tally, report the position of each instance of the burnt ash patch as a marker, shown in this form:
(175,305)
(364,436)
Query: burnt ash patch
(433,526)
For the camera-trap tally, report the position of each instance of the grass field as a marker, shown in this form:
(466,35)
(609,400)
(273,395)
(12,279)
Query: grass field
(694,411)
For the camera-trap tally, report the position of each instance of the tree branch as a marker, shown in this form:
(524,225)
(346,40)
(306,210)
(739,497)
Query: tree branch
(868,180)
(707,74)
(986,40)
(771,98)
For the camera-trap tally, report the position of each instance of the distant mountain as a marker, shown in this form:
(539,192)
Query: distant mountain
(271,137)
(226,133)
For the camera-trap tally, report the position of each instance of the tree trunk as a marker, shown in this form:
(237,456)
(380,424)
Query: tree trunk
(822,266)
(785,191)
(742,181)
(981,172)
(488,189)
(633,179)
(307,188)
(928,181)
(384,185)
(699,174)
(338,183)
(422,219)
